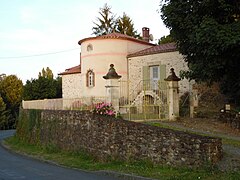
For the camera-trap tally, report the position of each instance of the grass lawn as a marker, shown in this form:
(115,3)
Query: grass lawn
(82,160)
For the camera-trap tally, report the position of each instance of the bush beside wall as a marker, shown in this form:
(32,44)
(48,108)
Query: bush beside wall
(106,137)
(230,118)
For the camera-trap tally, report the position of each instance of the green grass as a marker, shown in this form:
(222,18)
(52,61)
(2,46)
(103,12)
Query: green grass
(83,160)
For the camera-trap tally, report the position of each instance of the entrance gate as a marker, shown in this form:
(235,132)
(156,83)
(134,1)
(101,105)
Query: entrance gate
(146,100)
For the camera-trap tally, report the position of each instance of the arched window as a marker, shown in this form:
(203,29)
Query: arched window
(89,47)
(90,78)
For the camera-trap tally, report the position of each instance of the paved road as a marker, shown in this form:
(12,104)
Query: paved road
(17,167)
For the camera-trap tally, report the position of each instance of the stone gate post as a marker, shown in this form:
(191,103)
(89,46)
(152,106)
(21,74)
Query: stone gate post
(112,87)
(173,95)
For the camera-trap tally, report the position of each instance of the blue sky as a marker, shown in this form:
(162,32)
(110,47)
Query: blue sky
(33,27)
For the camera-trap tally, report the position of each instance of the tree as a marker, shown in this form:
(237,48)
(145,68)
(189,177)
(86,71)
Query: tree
(126,26)
(2,76)
(11,89)
(46,73)
(106,23)
(3,116)
(207,33)
(165,39)
(45,87)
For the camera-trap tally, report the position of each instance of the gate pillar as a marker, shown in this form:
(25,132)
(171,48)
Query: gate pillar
(173,95)
(112,87)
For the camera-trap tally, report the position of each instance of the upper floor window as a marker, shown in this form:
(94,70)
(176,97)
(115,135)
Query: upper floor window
(90,77)
(89,47)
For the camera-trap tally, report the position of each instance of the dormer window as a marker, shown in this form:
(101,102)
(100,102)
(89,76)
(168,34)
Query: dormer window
(90,77)
(89,47)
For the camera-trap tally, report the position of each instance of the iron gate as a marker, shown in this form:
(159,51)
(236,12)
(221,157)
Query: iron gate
(146,100)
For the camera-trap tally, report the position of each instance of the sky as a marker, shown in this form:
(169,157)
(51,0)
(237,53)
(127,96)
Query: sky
(36,34)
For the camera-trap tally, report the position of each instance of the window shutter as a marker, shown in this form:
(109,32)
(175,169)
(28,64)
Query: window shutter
(146,73)
(93,81)
(146,76)
(87,79)
(162,84)
(162,72)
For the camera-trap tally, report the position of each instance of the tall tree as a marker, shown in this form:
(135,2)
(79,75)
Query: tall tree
(207,33)
(106,23)
(125,25)
(165,39)
(11,89)
(43,87)
(3,116)
(2,76)
(46,73)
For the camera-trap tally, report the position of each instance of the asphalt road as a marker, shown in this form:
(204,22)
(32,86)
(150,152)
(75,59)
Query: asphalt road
(18,167)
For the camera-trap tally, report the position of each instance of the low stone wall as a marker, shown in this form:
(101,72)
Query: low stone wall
(230,118)
(107,137)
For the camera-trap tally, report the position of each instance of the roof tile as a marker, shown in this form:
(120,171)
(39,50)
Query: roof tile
(116,36)
(169,47)
(72,70)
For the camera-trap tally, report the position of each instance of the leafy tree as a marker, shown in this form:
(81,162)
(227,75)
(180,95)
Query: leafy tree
(2,76)
(126,26)
(11,89)
(165,39)
(106,23)
(3,114)
(207,33)
(46,73)
(45,87)
(58,85)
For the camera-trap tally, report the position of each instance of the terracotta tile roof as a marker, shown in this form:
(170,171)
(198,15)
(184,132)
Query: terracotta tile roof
(72,70)
(116,36)
(169,47)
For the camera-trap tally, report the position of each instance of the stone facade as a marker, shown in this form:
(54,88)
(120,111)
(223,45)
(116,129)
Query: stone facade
(170,59)
(71,86)
(106,137)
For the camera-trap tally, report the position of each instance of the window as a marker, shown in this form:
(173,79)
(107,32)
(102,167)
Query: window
(89,47)
(154,72)
(154,77)
(90,78)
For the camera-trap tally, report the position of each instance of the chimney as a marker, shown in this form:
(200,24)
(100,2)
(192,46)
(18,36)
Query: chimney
(145,34)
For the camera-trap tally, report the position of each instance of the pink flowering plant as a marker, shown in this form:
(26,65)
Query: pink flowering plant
(104,109)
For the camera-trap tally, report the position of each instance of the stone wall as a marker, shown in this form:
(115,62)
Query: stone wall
(107,137)
(71,86)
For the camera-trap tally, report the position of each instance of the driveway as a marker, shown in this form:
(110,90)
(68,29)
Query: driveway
(14,166)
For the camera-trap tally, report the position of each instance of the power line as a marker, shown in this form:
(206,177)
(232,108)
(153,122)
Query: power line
(34,55)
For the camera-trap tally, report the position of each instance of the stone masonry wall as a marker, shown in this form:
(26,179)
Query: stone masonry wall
(71,86)
(106,137)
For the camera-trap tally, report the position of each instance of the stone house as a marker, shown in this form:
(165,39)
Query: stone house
(134,59)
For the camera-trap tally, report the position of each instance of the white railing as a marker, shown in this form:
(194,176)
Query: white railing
(85,103)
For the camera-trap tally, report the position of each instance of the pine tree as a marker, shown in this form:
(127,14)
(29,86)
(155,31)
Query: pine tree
(106,23)
(126,26)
